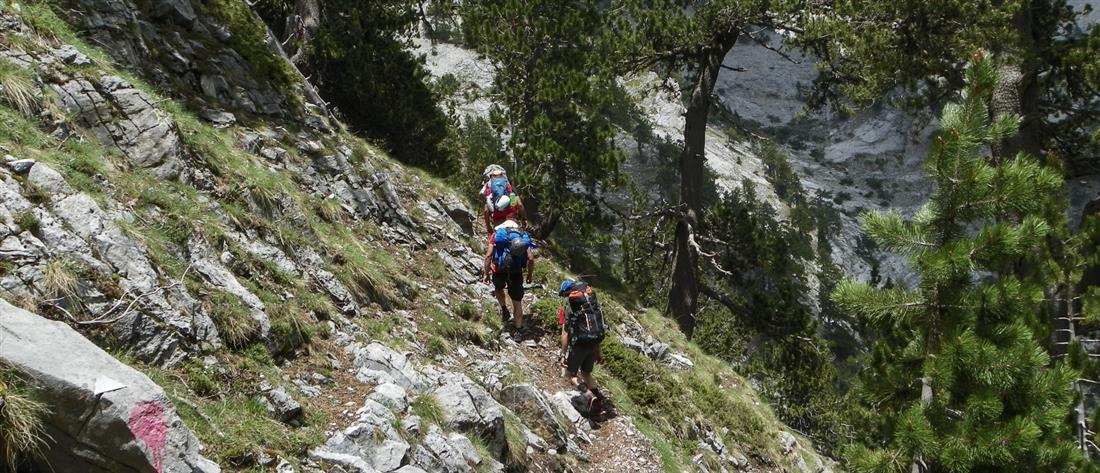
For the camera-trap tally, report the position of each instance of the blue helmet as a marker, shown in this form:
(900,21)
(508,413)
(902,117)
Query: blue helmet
(565,285)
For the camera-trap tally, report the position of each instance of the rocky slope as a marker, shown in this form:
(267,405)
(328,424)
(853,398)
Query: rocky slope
(174,195)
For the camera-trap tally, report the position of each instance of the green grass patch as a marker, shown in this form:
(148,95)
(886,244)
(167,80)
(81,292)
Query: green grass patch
(248,37)
(451,327)
(379,328)
(469,311)
(17,88)
(28,221)
(516,454)
(437,345)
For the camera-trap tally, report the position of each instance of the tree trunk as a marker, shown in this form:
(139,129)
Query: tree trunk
(684,291)
(1017,90)
(918,465)
(1091,278)
(301,27)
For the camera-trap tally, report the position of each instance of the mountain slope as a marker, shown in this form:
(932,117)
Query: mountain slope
(307,303)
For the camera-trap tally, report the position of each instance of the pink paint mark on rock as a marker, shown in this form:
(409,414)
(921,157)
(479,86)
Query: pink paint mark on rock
(148,424)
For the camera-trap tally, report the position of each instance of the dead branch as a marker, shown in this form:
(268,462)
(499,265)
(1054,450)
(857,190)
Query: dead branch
(764,44)
(104,319)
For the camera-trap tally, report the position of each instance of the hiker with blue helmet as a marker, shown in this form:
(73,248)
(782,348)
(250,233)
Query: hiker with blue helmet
(582,331)
(510,253)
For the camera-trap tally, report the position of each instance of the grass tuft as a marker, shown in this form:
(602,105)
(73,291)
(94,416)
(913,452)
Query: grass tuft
(28,221)
(232,318)
(427,408)
(59,279)
(515,456)
(453,328)
(22,432)
(17,88)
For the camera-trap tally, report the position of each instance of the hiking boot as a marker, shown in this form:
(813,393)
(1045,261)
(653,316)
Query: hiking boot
(519,333)
(505,315)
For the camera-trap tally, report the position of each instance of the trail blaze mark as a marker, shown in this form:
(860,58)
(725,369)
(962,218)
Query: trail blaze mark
(148,424)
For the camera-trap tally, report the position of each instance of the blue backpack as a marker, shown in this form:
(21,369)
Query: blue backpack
(511,258)
(499,186)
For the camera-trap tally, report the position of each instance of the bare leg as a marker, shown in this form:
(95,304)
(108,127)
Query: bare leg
(500,298)
(517,312)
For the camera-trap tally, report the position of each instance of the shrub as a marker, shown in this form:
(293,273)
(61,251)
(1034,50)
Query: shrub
(545,313)
(365,69)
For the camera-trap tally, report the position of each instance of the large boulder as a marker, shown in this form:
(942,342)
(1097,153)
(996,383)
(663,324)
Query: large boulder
(370,443)
(105,416)
(470,408)
(527,399)
(377,357)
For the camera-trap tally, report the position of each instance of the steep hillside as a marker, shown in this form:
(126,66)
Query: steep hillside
(173,191)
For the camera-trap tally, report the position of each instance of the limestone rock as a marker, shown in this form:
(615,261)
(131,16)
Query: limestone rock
(20,166)
(437,453)
(379,357)
(177,11)
(469,407)
(538,409)
(371,440)
(282,407)
(392,396)
(787,442)
(219,119)
(121,115)
(69,55)
(134,428)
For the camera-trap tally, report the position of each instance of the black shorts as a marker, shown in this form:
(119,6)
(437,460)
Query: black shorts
(581,356)
(513,281)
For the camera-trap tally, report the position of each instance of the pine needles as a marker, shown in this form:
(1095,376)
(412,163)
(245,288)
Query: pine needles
(959,382)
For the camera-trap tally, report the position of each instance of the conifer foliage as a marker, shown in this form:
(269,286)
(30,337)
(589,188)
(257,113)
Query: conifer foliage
(959,381)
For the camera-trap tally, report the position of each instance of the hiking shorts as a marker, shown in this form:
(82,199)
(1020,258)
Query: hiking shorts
(582,356)
(513,281)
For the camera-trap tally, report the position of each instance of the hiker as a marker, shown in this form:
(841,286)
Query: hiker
(582,331)
(501,202)
(510,252)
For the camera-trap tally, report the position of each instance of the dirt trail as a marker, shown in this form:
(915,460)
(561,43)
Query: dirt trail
(617,445)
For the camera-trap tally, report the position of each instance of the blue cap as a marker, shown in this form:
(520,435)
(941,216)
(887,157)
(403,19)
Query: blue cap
(565,285)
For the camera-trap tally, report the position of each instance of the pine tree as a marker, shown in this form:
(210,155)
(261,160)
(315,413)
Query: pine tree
(551,92)
(361,63)
(960,382)
(876,48)
(694,38)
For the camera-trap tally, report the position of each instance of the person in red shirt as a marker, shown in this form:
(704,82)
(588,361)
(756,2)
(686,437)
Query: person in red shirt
(506,206)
